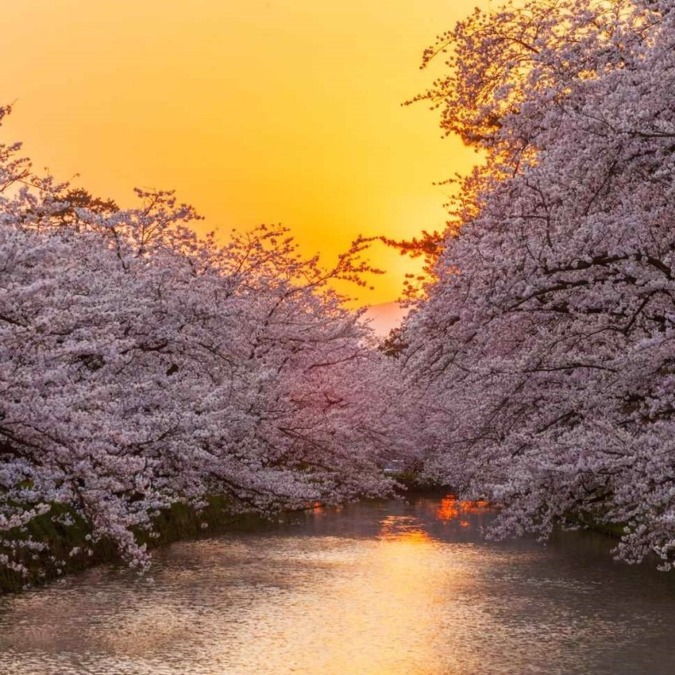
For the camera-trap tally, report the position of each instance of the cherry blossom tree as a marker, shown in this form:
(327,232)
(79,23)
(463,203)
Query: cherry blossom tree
(143,366)
(542,353)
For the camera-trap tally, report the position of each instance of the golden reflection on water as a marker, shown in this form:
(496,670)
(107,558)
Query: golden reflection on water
(407,529)
(373,614)
(325,605)
(389,589)
(377,612)
(452,508)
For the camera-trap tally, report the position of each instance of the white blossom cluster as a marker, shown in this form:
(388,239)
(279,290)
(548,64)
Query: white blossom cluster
(543,353)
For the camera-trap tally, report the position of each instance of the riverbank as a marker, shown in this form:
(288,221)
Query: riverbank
(69,545)
(68,536)
(68,540)
(70,550)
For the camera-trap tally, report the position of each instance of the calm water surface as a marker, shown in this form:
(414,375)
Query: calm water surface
(383,587)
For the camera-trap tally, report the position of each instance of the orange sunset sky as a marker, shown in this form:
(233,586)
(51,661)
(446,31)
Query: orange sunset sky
(274,111)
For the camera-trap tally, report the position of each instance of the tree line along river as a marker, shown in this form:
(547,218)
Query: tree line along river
(383,587)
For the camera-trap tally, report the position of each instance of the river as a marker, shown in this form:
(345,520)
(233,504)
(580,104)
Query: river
(380,587)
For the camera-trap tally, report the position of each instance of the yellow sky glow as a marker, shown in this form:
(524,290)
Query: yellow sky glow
(255,111)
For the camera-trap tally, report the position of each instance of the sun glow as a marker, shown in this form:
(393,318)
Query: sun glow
(254,112)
